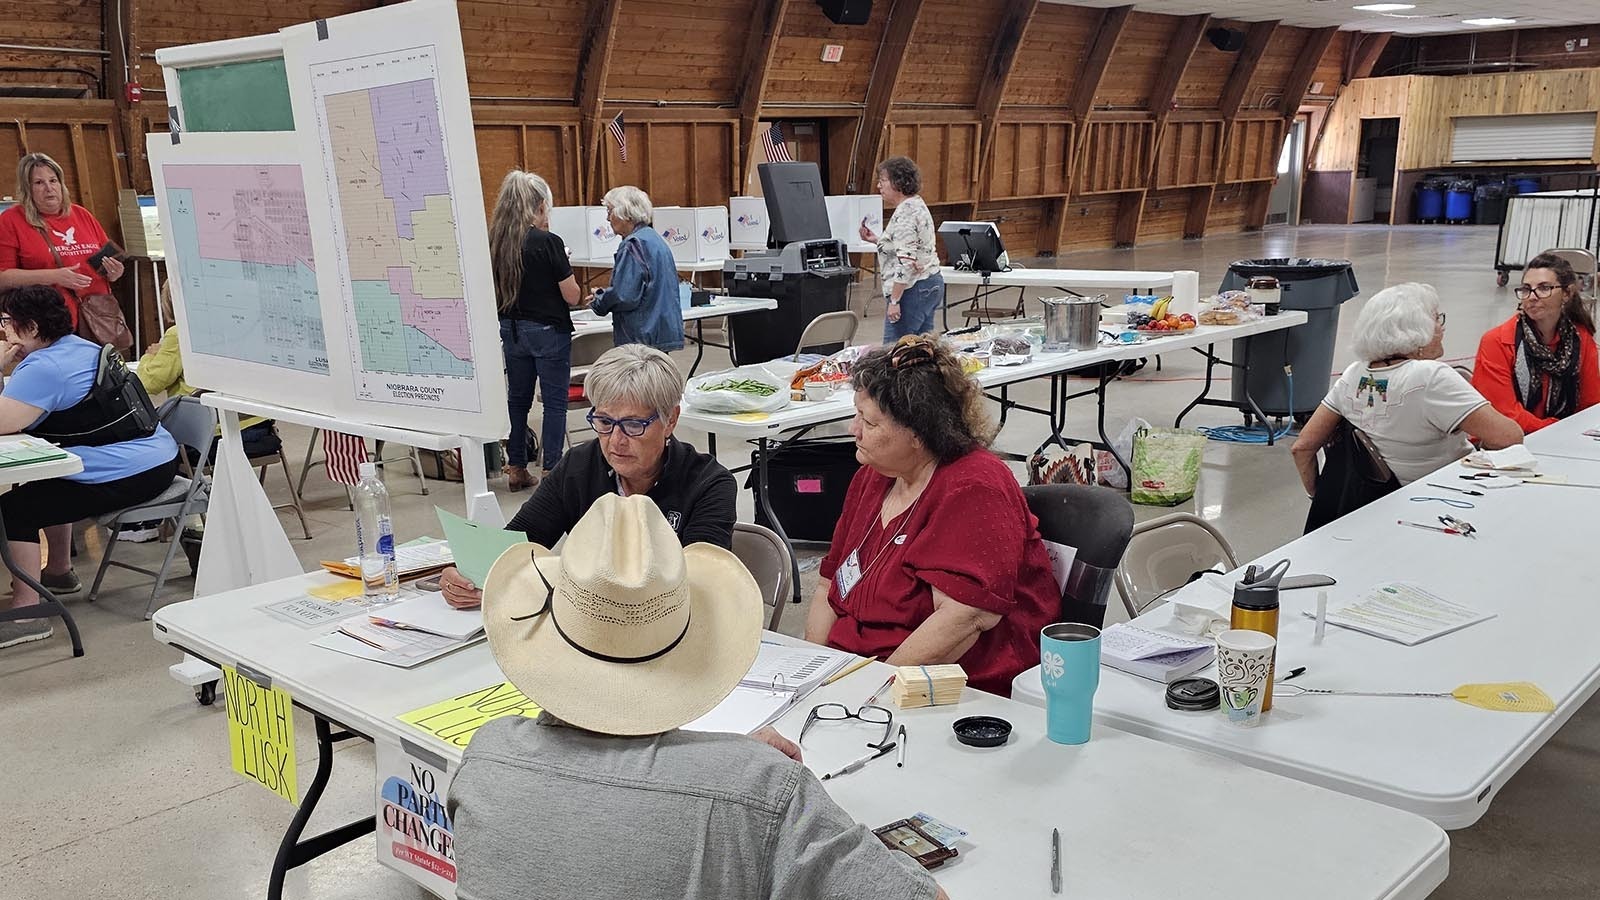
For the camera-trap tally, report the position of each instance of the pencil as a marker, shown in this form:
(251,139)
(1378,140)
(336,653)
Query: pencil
(847,670)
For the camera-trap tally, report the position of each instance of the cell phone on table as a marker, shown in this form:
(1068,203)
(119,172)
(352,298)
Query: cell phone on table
(1306,581)
(99,258)
(428,584)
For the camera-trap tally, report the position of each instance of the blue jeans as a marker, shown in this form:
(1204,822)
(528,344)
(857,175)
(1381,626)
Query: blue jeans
(534,350)
(918,303)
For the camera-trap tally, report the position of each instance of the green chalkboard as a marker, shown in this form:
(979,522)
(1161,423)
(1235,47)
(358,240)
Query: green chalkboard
(241,96)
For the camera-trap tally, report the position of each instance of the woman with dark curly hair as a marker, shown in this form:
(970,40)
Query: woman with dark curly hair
(47,394)
(935,558)
(908,260)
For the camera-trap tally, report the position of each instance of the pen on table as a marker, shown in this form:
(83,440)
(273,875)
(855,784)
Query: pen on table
(1446,487)
(1427,527)
(884,687)
(1055,860)
(1294,673)
(885,749)
(849,670)
(900,762)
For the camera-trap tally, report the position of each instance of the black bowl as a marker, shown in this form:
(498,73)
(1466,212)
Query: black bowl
(982,731)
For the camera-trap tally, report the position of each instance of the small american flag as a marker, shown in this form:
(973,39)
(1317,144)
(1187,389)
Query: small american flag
(345,454)
(621,137)
(772,142)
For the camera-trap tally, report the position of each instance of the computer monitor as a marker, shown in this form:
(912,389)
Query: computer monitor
(794,202)
(974,246)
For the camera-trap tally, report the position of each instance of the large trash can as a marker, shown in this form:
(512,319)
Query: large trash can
(1315,287)
(1458,201)
(1429,207)
(1490,208)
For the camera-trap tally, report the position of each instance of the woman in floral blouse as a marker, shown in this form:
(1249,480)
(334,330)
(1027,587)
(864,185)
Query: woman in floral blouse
(907,260)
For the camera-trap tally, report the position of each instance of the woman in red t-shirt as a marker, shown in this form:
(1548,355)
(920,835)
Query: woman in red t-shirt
(44,220)
(936,557)
(1541,365)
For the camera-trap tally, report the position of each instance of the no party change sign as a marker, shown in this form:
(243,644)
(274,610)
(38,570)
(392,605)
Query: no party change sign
(261,731)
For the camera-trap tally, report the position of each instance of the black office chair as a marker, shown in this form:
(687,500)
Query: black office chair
(1099,523)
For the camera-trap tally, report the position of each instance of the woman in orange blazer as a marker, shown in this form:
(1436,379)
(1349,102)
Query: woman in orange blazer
(1541,364)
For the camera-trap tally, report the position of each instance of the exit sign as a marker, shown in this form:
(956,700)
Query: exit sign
(832,52)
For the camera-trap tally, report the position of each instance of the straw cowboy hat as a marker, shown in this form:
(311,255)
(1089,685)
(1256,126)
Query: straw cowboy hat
(626,632)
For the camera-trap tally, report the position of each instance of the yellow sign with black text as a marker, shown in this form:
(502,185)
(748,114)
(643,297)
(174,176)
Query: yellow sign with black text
(261,732)
(454,721)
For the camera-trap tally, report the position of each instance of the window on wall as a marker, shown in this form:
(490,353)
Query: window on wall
(1534,136)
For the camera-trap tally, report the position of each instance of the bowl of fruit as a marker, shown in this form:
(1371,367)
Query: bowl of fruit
(1160,319)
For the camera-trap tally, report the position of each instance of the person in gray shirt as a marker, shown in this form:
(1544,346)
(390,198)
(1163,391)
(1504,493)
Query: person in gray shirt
(604,795)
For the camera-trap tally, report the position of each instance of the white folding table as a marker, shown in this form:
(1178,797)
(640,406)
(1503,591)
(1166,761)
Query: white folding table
(1567,438)
(49,606)
(1439,758)
(1069,280)
(585,321)
(1138,819)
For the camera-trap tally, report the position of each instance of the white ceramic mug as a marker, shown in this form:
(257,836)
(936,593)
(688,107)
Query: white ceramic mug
(1244,663)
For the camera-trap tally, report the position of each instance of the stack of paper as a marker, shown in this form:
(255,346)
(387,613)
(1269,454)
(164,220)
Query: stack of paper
(745,710)
(1158,655)
(430,613)
(394,646)
(410,558)
(796,669)
(917,686)
(1404,613)
(21,450)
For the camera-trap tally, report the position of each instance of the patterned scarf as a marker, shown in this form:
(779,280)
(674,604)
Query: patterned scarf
(1535,359)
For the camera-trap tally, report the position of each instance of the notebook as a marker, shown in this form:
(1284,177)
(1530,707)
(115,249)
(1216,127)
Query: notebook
(21,450)
(1157,655)
(430,613)
(798,670)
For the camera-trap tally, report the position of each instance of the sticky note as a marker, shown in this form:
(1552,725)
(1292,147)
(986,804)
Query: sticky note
(261,732)
(454,721)
(344,589)
(476,546)
(750,417)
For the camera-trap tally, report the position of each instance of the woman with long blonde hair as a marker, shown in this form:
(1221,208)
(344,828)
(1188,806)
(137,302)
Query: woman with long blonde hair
(536,290)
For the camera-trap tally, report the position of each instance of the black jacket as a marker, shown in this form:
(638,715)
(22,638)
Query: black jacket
(694,492)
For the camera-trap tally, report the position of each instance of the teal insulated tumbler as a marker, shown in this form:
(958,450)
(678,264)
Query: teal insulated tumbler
(1069,667)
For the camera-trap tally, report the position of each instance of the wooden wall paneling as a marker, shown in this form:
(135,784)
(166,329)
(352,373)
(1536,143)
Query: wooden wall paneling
(525,51)
(1115,156)
(761,43)
(1299,79)
(536,139)
(1256,38)
(892,54)
(1098,60)
(1199,214)
(1269,81)
(1031,159)
(799,76)
(1367,98)
(1207,72)
(1052,226)
(1019,223)
(1130,211)
(55,43)
(600,31)
(1166,215)
(1008,37)
(1189,153)
(1185,41)
(1251,150)
(1089,223)
(1331,66)
(950,47)
(1363,53)
(1229,209)
(946,152)
(1434,101)
(1136,65)
(1052,55)
(171,23)
(678,51)
(1259,200)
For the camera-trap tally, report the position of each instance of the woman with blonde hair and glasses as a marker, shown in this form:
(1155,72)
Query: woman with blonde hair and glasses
(536,290)
(1541,365)
(48,239)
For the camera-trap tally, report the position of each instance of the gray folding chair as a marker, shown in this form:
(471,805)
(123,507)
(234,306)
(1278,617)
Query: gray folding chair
(194,426)
(828,330)
(1165,554)
(767,557)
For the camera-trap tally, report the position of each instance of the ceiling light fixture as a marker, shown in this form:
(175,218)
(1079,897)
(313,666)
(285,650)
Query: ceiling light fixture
(1385,7)
(1489,22)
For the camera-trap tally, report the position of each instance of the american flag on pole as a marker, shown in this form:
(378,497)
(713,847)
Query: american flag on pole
(345,454)
(772,142)
(615,128)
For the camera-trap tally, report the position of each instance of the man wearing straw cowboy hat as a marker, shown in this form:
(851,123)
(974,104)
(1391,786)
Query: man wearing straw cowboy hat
(603,795)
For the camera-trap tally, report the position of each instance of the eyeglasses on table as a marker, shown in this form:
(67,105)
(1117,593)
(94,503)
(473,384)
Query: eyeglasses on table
(838,712)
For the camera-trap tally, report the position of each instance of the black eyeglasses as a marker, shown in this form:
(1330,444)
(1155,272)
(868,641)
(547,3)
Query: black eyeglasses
(1542,291)
(1439,317)
(838,712)
(632,427)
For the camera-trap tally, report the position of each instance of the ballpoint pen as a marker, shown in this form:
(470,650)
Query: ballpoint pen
(1055,860)
(874,698)
(886,748)
(900,762)
(1430,527)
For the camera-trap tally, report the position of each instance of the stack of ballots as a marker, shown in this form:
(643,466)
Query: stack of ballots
(918,686)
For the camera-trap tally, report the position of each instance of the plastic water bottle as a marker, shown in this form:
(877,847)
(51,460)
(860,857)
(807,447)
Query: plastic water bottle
(375,537)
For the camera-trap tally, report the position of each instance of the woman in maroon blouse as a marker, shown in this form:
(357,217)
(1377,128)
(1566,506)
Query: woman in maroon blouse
(936,558)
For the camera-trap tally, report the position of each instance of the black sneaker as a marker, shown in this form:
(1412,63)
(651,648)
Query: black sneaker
(63,585)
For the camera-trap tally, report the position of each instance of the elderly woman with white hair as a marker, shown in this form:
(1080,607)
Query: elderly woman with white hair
(634,391)
(1416,410)
(644,279)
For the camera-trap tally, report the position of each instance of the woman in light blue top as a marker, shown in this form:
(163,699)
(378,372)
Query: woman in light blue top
(49,394)
(644,279)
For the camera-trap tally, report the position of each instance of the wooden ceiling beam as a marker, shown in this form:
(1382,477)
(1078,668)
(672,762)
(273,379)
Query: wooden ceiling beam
(1185,41)
(760,46)
(1256,39)
(1305,69)
(1364,52)
(1098,60)
(997,75)
(897,31)
(600,30)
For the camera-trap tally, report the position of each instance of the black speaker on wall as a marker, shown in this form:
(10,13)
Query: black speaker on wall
(846,12)
(1230,40)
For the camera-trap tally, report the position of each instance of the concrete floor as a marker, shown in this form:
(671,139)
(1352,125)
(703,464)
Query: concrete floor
(120,784)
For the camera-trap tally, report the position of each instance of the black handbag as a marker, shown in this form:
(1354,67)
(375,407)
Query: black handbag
(1353,474)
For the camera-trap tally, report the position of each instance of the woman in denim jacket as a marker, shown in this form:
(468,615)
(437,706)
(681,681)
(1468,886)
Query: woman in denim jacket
(644,280)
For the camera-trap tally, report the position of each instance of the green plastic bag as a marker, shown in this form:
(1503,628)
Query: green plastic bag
(1166,465)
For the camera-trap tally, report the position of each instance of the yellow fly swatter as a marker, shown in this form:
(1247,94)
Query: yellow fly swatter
(1500,696)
